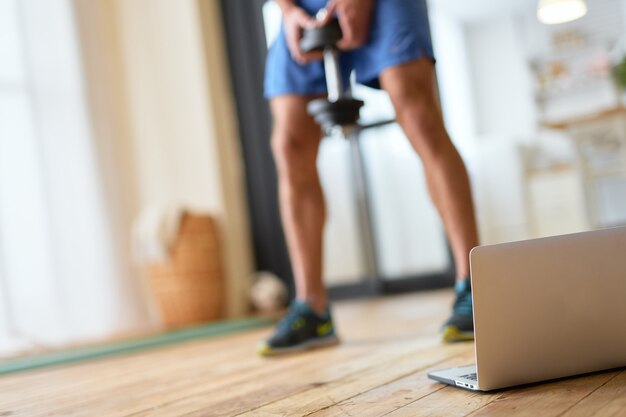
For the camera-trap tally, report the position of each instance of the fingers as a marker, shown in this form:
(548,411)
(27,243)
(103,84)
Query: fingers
(347,44)
(295,24)
(293,43)
(354,26)
(312,56)
(325,15)
(352,38)
(347,40)
(293,35)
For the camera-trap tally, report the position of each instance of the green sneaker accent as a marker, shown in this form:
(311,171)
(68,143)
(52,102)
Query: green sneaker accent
(452,334)
(325,328)
(264,349)
(301,329)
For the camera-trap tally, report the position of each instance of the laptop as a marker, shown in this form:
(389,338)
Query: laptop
(545,309)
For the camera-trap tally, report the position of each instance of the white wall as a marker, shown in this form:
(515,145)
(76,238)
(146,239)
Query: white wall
(499,191)
(501,78)
(175,161)
(454,76)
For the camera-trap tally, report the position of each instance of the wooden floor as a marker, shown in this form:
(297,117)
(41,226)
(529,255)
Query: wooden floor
(379,370)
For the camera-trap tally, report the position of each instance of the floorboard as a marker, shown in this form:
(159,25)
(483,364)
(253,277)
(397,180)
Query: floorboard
(388,346)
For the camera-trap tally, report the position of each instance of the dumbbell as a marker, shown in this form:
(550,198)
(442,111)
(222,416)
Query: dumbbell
(339,112)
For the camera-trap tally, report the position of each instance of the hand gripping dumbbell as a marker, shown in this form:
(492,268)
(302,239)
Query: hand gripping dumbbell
(339,112)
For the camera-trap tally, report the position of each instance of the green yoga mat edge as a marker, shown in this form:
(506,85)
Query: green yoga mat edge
(134,345)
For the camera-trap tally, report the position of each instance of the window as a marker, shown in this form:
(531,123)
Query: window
(59,277)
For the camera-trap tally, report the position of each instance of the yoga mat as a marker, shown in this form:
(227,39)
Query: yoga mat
(133,345)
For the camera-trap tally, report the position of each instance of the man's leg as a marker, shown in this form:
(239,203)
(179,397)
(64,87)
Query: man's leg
(411,87)
(295,144)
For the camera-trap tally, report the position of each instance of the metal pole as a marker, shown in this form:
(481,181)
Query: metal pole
(368,245)
(333,74)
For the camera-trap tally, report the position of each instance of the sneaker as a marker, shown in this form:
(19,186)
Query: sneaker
(460,326)
(301,329)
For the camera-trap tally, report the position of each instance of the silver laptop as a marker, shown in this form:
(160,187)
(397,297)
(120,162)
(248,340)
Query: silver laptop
(545,309)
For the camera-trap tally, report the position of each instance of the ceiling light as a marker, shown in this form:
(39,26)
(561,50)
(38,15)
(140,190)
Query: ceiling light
(560,11)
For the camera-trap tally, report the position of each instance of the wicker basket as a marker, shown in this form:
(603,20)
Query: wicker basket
(189,288)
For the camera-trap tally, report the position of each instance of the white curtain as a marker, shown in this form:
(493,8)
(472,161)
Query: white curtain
(60,278)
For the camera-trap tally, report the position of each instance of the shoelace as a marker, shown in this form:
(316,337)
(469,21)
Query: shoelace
(292,315)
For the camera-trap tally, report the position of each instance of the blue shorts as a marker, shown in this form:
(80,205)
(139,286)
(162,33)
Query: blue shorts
(398,33)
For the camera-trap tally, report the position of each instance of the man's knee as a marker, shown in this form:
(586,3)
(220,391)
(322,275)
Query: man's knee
(295,141)
(295,156)
(417,110)
(422,121)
